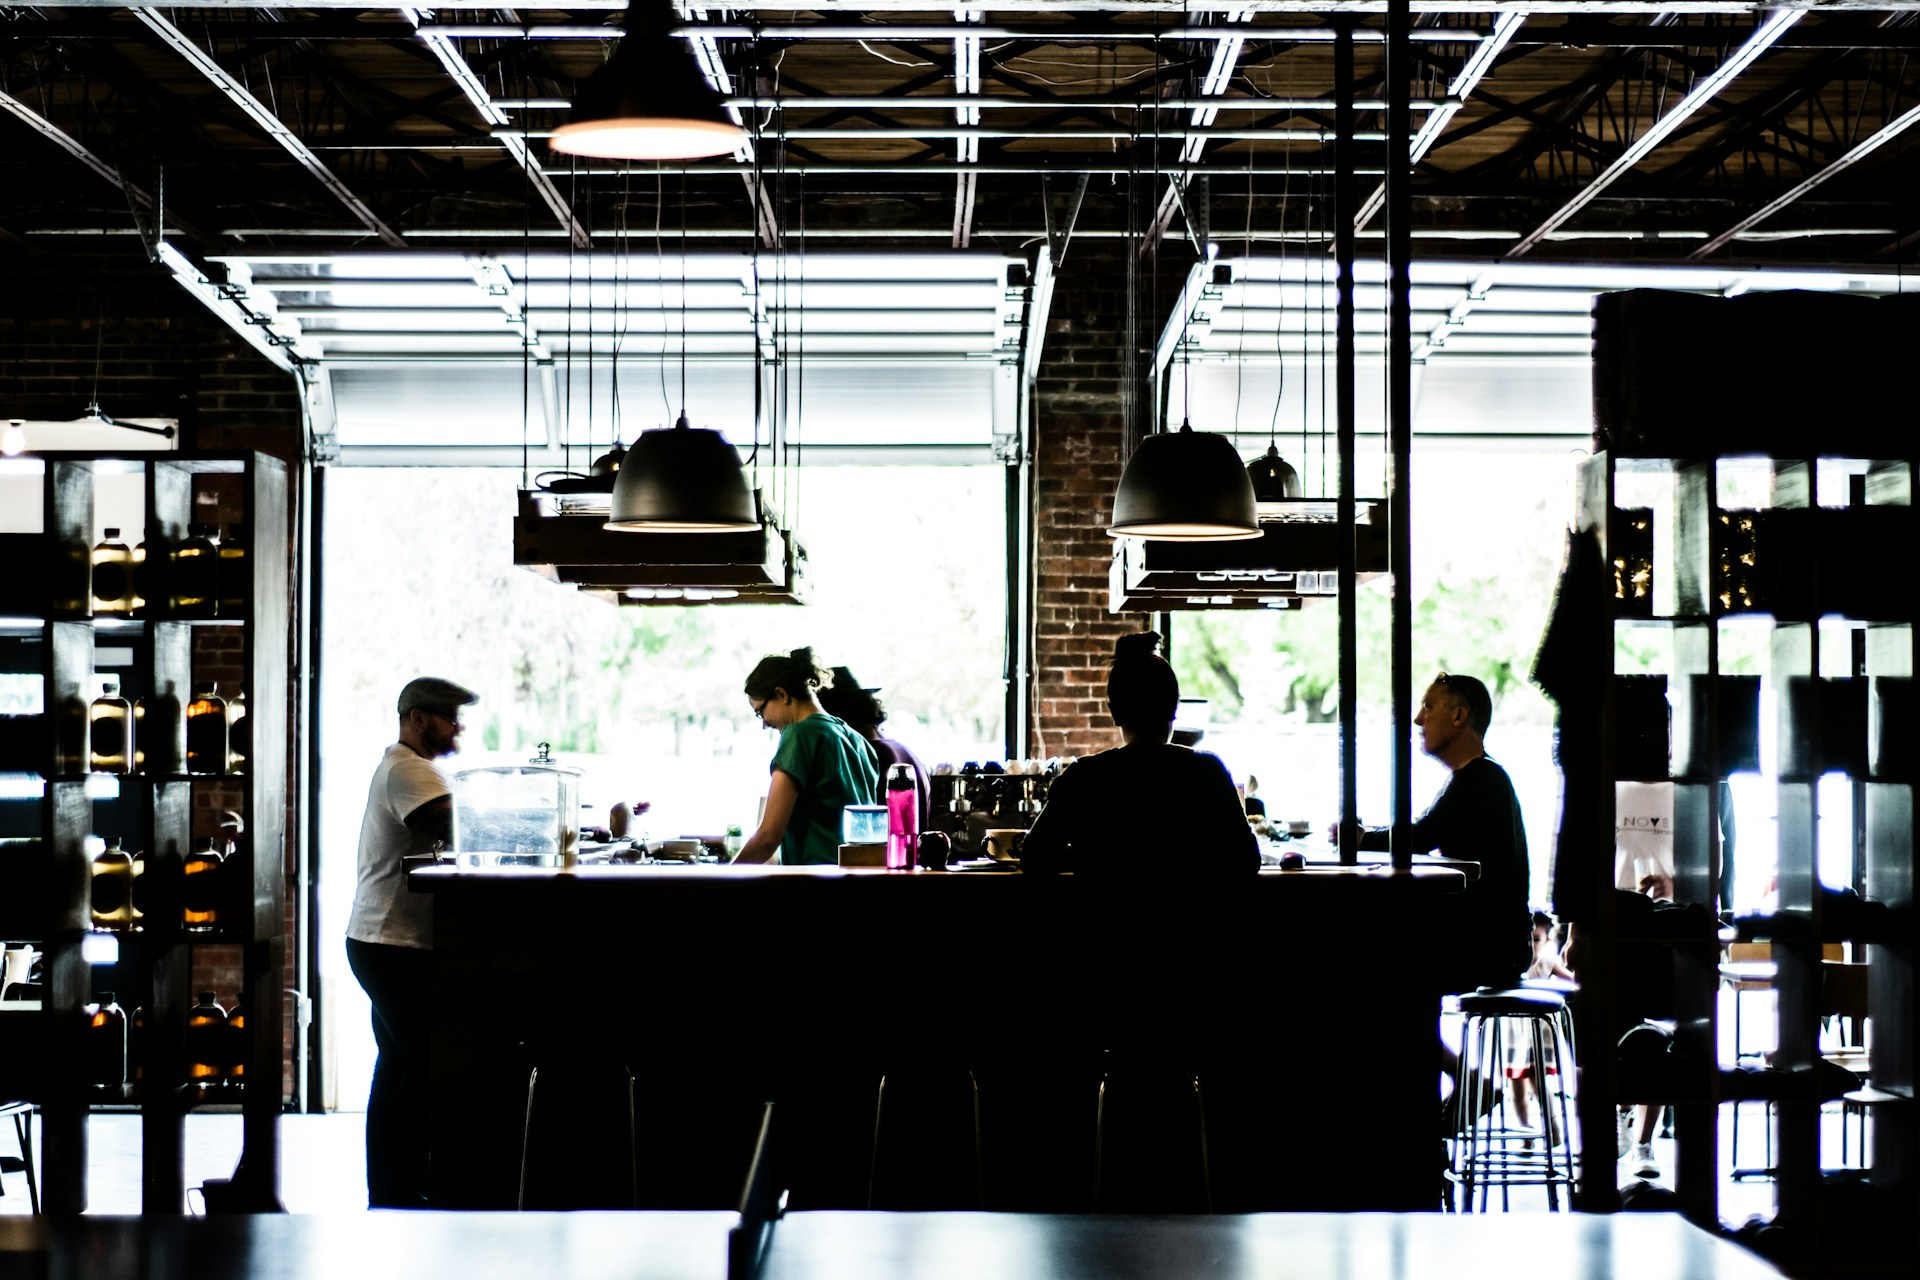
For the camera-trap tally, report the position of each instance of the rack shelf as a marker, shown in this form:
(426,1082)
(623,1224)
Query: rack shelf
(1798,580)
(152,813)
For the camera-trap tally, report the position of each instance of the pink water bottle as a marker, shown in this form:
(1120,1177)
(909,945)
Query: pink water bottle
(903,817)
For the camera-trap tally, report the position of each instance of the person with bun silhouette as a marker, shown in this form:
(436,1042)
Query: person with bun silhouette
(820,766)
(1147,804)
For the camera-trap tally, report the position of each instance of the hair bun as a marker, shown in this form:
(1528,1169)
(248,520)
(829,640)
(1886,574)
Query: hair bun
(1140,644)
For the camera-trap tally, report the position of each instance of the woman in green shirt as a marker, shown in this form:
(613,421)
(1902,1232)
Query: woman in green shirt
(820,766)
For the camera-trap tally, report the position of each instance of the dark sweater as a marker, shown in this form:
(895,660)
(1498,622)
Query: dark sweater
(1143,808)
(1477,819)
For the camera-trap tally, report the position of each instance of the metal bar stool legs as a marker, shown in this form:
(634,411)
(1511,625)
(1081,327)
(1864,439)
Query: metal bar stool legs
(1153,1095)
(1488,1150)
(22,1114)
(581,1101)
(916,1142)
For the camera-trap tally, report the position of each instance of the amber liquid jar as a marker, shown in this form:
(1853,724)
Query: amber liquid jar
(158,744)
(206,1041)
(237,1043)
(112,565)
(106,1052)
(232,578)
(200,888)
(137,891)
(239,733)
(206,730)
(112,888)
(110,730)
(196,574)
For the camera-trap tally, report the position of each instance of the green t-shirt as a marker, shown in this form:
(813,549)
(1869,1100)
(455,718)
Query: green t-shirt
(833,767)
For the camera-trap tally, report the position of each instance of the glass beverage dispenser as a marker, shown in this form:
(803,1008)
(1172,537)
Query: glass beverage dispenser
(517,815)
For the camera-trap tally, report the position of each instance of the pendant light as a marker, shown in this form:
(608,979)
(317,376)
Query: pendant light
(650,101)
(682,479)
(1273,477)
(1185,486)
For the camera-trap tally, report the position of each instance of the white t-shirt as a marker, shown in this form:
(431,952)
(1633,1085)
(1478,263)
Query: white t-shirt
(384,909)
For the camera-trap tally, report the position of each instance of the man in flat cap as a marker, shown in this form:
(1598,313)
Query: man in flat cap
(390,933)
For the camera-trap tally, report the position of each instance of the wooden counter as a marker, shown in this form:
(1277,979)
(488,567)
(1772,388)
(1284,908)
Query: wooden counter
(1291,994)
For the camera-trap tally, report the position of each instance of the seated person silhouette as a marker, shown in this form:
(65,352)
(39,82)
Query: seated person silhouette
(1147,804)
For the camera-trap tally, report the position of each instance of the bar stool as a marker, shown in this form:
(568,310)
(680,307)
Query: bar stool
(1150,1138)
(1488,1151)
(22,1116)
(566,1128)
(927,1149)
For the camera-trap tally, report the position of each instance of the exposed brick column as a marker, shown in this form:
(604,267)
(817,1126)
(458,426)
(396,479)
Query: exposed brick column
(1080,448)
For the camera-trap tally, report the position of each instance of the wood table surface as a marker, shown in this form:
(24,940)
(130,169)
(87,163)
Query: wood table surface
(874,1246)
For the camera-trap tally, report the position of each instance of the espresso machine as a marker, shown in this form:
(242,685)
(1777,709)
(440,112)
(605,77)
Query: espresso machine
(977,798)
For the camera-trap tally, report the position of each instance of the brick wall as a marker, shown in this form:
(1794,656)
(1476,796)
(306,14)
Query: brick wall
(1080,447)
(105,324)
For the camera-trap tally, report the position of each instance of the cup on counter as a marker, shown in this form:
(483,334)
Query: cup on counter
(1004,843)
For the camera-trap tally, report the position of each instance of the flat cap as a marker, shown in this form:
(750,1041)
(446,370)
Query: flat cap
(431,691)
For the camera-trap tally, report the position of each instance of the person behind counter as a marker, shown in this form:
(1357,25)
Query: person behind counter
(390,933)
(1476,818)
(844,696)
(1147,805)
(819,768)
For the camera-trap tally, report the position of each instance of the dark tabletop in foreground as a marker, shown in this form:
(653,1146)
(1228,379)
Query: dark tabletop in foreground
(873,1246)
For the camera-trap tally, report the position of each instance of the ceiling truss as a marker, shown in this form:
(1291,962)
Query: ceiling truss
(1566,128)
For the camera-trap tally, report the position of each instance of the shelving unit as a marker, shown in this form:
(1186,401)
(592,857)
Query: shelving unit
(154,813)
(1812,558)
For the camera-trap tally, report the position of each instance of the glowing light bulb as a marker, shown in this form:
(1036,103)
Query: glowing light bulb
(14,439)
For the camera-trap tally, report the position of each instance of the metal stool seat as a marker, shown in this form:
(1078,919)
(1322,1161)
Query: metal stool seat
(1487,1150)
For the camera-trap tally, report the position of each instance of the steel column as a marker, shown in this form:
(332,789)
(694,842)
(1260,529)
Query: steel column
(1400,416)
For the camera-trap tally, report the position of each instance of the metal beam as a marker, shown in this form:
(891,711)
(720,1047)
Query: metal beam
(966,118)
(1458,92)
(456,67)
(261,115)
(1399,206)
(1725,74)
(1314,8)
(1861,150)
(135,194)
(881,33)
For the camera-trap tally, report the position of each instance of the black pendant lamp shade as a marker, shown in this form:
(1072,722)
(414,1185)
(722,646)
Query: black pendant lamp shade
(682,480)
(1187,486)
(650,101)
(1273,477)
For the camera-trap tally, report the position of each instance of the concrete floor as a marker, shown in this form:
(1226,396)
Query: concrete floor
(322,1166)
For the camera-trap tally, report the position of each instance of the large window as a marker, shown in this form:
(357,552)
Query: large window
(908,587)
(1491,529)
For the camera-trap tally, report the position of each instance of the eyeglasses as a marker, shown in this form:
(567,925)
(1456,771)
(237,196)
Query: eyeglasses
(449,715)
(1443,678)
(759,709)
